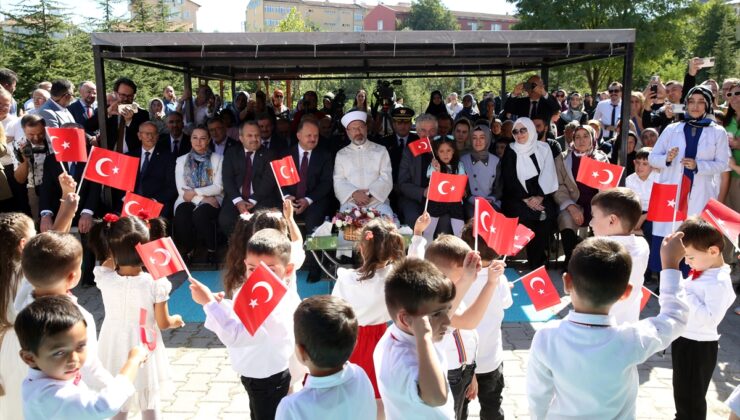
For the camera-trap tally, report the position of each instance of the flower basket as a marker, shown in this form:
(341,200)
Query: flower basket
(351,233)
(350,222)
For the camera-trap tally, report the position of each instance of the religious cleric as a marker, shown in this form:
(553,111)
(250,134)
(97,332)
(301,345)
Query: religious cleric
(362,171)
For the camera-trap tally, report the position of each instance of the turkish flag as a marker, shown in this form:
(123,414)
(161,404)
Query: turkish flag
(421,146)
(540,289)
(113,169)
(502,233)
(645,297)
(725,219)
(258,297)
(522,236)
(160,257)
(447,188)
(663,203)
(134,205)
(483,218)
(599,175)
(68,144)
(285,171)
(148,336)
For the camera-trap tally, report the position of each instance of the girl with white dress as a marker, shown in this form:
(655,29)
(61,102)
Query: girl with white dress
(127,291)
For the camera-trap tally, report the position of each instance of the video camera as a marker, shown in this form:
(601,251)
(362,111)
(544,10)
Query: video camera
(384,90)
(337,104)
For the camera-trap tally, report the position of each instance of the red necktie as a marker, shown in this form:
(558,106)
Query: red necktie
(303,172)
(247,182)
(693,274)
(89,112)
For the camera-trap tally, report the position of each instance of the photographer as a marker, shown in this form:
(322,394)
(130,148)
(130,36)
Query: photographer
(28,158)
(537,102)
(385,99)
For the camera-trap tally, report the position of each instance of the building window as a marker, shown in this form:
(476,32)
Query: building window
(359,16)
(495,26)
(185,14)
(272,22)
(358,28)
(473,26)
(380,25)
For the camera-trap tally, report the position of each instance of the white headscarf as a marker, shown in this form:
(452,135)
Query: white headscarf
(525,168)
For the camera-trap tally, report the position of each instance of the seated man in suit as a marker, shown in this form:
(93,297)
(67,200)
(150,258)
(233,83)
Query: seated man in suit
(247,178)
(122,127)
(412,174)
(156,177)
(219,140)
(89,205)
(270,139)
(537,103)
(54,111)
(176,141)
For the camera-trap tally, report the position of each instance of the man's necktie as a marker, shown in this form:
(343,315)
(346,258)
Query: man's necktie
(247,182)
(145,165)
(175,147)
(533,110)
(614,115)
(303,172)
(402,142)
(89,112)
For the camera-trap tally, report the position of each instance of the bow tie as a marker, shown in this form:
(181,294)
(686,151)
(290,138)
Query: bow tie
(78,378)
(693,274)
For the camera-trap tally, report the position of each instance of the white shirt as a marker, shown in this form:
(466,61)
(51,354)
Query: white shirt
(215,189)
(460,346)
(363,167)
(709,297)
(628,310)
(347,394)
(397,368)
(641,188)
(490,351)
(603,113)
(45,398)
(589,371)
(367,297)
(712,156)
(268,351)
(143,157)
(10,127)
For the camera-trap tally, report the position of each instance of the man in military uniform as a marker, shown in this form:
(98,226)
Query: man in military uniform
(396,143)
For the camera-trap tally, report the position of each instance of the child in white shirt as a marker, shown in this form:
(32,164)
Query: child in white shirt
(53,333)
(262,359)
(585,366)
(325,335)
(641,182)
(615,213)
(709,293)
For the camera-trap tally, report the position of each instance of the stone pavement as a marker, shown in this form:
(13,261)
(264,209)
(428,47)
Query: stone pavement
(205,386)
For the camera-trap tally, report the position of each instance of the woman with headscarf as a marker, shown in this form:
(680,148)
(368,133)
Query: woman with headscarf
(469,110)
(526,185)
(480,165)
(574,112)
(576,209)
(689,154)
(239,106)
(436,105)
(156,115)
(200,193)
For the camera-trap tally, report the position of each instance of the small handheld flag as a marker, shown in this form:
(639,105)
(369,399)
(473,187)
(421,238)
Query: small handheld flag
(258,297)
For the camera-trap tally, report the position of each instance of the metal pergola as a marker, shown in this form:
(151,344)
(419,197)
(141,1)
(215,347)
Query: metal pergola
(322,55)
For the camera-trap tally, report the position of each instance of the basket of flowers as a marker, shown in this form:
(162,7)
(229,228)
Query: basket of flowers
(350,222)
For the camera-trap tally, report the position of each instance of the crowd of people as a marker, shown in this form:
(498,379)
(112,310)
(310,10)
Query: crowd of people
(208,163)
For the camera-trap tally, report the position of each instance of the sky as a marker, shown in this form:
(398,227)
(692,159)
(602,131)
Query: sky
(228,15)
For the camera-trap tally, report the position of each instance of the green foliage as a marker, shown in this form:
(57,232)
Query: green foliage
(294,22)
(725,52)
(430,15)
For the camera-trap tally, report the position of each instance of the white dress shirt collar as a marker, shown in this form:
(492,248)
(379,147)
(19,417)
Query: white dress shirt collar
(591,320)
(301,151)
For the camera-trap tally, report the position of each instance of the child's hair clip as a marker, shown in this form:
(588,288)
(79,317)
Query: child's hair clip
(110,218)
(246,216)
(143,215)
(369,235)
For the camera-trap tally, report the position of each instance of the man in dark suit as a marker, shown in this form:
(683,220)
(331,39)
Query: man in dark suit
(270,139)
(396,143)
(156,176)
(220,142)
(412,174)
(249,183)
(123,126)
(537,103)
(89,206)
(84,108)
(176,141)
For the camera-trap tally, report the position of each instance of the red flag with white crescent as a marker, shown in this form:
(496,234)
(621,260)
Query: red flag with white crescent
(599,175)
(483,218)
(540,289)
(68,144)
(446,188)
(160,257)
(135,205)
(421,146)
(285,171)
(663,203)
(258,297)
(724,219)
(502,233)
(522,236)
(111,168)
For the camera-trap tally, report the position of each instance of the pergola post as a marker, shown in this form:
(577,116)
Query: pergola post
(189,88)
(503,87)
(102,99)
(233,90)
(626,96)
(545,76)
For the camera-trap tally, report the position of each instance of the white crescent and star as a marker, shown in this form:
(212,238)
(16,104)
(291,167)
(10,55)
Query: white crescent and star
(99,166)
(440,188)
(423,146)
(283,173)
(127,207)
(535,280)
(671,203)
(165,253)
(483,220)
(265,285)
(609,176)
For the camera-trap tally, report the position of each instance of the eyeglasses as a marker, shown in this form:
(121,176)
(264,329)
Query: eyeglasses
(560,96)
(279,96)
(522,130)
(733,93)
(614,90)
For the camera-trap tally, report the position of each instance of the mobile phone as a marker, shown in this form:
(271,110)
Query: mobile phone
(529,86)
(706,62)
(677,108)
(654,88)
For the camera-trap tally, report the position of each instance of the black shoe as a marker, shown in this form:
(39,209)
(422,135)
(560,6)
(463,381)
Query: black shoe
(314,276)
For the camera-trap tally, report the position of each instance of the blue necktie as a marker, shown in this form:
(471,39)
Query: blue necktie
(145,165)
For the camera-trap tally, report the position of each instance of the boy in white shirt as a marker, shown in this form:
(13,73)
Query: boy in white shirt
(585,366)
(261,359)
(641,182)
(489,370)
(52,333)
(410,368)
(709,293)
(325,334)
(614,213)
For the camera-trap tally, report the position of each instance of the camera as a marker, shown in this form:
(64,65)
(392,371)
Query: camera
(384,90)
(27,151)
(529,86)
(133,107)
(337,104)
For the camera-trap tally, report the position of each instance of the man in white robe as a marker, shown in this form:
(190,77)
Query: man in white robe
(362,171)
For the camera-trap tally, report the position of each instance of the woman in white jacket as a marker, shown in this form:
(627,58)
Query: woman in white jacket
(200,193)
(689,154)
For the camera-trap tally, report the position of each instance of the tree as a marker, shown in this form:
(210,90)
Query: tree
(293,22)
(713,17)
(725,52)
(110,22)
(430,15)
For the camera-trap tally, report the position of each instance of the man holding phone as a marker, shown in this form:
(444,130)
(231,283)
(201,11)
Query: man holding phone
(537,103)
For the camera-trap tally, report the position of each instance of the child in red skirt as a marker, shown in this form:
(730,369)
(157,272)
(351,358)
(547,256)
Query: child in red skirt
(380,247)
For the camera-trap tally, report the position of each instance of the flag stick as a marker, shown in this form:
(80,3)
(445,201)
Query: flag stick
(722,228)
(64,170)
(651,292)
(676,206)
(282,197)
(475,225)
(503,259)
(426,204)
(84,171)
(516,281)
